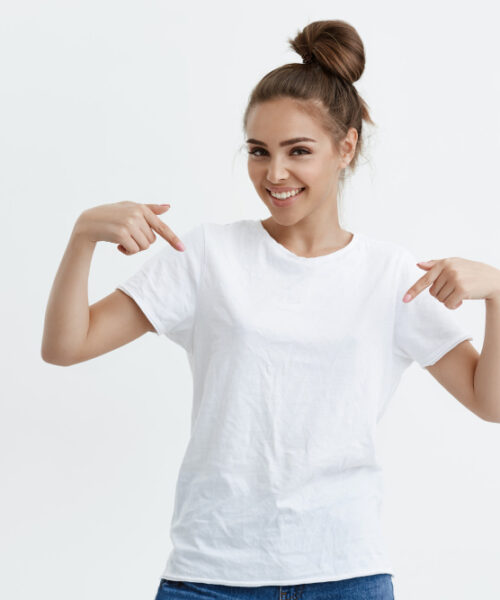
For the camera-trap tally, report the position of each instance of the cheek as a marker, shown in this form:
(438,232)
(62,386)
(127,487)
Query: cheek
(253,171)
(257,174)
(316,168)
(310,167)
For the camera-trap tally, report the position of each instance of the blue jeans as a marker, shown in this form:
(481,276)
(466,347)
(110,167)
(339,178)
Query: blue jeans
(369,587)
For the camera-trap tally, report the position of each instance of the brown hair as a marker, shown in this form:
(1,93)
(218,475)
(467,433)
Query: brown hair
(334,58)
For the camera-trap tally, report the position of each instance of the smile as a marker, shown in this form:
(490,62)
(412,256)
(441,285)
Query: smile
(285,199)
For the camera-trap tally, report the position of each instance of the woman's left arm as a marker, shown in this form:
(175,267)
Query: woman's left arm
(453,280)
(487,373)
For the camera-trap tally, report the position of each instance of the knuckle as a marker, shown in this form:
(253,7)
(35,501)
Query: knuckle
(122,231)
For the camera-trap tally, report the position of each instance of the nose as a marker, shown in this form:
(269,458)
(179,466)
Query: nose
(276,171)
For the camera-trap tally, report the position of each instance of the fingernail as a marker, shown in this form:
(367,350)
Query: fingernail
(164,204)
(181,246)
(407,298)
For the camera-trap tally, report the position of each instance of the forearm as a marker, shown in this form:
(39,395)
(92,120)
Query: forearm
(487,373)
(67,313)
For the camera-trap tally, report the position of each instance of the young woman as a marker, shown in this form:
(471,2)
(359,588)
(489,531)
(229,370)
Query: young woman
(297,336)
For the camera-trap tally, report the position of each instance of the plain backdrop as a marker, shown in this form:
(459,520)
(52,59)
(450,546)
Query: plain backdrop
(103,101)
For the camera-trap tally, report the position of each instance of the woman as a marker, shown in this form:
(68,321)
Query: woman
(297,336)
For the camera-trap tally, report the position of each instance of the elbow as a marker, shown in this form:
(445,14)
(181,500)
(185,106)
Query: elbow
(489,417)
(492,419)
(52,359)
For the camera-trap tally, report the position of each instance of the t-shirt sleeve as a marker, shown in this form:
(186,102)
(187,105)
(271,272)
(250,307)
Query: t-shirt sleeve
(166,287)
(424,328)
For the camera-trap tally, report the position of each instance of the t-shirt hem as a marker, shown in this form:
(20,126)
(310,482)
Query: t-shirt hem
(141,303)
(317,579)
(442,350)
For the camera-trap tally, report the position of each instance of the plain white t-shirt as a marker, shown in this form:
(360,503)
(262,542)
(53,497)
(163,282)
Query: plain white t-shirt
(294,361)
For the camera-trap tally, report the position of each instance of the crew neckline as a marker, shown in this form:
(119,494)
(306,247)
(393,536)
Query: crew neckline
(306,259)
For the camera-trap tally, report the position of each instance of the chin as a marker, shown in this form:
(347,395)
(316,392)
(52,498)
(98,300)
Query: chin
(286,218)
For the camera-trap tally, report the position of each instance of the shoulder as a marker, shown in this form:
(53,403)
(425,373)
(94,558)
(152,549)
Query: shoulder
(234,232)
(384,252)
(202,233)
(385,246)
(231,228)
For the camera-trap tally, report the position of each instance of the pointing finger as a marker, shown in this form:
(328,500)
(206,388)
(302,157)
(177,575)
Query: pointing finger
(422,283)
(163,229)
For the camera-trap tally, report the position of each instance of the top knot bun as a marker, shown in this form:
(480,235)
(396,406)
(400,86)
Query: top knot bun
(334,45)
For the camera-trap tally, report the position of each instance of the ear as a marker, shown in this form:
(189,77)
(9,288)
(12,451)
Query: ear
(349,146)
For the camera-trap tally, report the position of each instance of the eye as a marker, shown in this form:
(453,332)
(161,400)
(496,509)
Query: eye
(301,150)
(255,150)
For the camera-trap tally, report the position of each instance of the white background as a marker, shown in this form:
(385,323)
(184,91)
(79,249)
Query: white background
(103,101)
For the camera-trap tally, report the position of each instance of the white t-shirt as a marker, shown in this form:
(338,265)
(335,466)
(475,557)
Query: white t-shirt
(294,361)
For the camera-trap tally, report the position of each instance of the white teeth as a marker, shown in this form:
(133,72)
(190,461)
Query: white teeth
(285,195)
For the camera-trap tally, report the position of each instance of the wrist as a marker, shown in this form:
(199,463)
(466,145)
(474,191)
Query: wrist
(80,233)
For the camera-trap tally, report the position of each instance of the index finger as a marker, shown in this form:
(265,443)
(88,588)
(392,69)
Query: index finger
(163,229)
(424,281)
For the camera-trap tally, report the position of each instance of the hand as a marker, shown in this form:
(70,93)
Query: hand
(129,224)
(455,279)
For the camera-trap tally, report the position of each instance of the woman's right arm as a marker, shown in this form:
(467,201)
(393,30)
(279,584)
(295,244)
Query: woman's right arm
(73,330)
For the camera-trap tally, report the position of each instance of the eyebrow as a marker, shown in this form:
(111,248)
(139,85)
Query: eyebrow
(285,143)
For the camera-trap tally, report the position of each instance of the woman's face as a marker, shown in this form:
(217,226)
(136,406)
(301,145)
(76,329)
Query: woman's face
(312,165)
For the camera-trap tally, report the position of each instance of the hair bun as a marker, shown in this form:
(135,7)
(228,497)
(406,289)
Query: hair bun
(334,45)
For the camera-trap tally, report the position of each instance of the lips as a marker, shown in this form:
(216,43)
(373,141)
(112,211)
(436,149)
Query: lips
(286,201)
(283,190)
